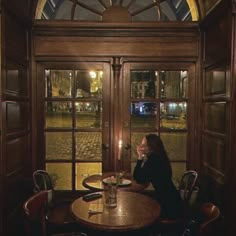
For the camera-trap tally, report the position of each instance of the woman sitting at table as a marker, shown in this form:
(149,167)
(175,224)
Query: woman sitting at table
(157,170)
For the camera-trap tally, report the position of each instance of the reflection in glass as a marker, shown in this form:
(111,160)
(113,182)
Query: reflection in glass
(175,144)
(136,139)
(83,170)
(88,146)
(58,145)
(178,169)
(144,84)
(216,81)
(88,83)
(58,83)
(173,84)
(215,116)
(214,152)
(173,115)
(88,114)
(17,80)
(62,173)
(58,114)
(143,114)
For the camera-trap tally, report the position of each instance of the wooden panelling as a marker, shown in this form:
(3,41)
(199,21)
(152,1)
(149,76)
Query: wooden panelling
(17,152)
(16,38)
(216,49)
(19,8)
(16,83)
(215,119)
(217,107)
(215,82)
(47,46)
(214,155)
(17,116)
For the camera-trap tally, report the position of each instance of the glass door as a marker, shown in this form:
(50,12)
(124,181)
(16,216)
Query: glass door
(156,101)
(76,124)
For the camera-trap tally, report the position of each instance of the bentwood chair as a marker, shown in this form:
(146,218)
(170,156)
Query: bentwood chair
(61,211)
(35,216)
(42,181)
(209,214)
(176,226)
(187,184)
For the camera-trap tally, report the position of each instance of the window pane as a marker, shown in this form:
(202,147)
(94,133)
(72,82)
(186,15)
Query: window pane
(173,115)
(144,84)
(88,146)
(174,84)
(88,114)
(143,114)
(83,170)
(62,172)
(58,83)
(88,83)
(216,81)
(178,170)
(136,138)
(58,114)
(175,145)
(58,145)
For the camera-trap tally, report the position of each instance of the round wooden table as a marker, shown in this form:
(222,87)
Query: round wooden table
(134,212)
(95,183)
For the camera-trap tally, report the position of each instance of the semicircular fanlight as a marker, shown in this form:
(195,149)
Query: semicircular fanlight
(117,10)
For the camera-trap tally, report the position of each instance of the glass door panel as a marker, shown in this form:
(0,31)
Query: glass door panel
(58,145)
(74,113)
(158,99)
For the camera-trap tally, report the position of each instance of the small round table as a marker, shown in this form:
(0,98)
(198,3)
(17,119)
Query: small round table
(134,212)
(95,183)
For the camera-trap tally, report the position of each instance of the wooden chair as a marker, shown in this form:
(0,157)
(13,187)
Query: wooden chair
(209,214)
(61,210)
(35,216)
(42,181)
(187,184)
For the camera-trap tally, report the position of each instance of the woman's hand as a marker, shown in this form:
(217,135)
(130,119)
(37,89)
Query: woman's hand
(141,152)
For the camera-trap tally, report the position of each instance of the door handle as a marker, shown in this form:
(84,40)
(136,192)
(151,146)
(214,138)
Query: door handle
(127,146)
(105,146)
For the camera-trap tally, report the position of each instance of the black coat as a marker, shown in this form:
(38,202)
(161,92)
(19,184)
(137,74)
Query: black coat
(157,170)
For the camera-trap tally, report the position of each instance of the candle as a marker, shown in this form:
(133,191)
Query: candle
(119,149)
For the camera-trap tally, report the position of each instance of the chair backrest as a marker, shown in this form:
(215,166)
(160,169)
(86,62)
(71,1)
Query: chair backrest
(210,213)
(42,180)
(187,184)
(35,214)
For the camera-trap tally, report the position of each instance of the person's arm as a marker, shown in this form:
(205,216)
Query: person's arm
(142,172)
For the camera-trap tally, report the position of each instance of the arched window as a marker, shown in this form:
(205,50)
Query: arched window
(117,10)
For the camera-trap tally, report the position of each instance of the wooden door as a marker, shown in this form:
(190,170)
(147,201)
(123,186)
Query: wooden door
(158,98)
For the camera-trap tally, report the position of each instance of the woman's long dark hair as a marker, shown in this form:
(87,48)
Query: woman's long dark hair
(155,145)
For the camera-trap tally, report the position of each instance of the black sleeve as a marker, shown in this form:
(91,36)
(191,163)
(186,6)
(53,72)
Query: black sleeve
(142,173)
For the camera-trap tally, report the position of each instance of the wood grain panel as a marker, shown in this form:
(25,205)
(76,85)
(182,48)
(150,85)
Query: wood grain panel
(214,154)
(17,152)
(19,8)
(216,49)
(16,38)
(16,80)
(17,116)
(215,119)
(74,48)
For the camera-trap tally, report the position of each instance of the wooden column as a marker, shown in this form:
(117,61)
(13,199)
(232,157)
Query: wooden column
(117,109)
